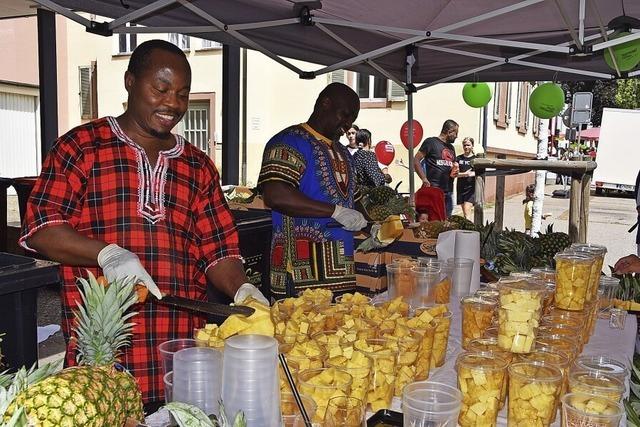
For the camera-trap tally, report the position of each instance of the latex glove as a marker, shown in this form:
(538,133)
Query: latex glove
(350,219)
(248,290)
(118,263)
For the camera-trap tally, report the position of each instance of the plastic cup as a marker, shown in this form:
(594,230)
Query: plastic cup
(544,273)
(534,388)
(168,348)
(168,387)
(400,281)
(290,410)
(477,315)
(481,378)
(197,377)
(581,409)
(343,411)
(490,345)
(425,279)
(597,383)
(383,376)
(573,278)
(408,349)
(598,252)
(602,364)
(316,296)
(303,360)
(519,315)
(323,384)
(608,286)
(461,276)
(423,363)
(569,346)
(427,404)
(440,339)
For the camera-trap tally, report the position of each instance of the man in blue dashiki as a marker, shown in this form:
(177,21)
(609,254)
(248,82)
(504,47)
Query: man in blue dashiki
(308,180)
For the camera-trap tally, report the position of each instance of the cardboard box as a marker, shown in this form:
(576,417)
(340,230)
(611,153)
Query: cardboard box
(371,271)
(407,244)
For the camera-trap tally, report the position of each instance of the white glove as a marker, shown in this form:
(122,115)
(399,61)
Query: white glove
(118,263)
(248,290)
(350,219)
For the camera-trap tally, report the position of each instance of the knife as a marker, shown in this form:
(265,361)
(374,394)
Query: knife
(221,311)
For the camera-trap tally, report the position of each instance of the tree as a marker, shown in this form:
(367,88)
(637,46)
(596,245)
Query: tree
(628,93)
(604,95)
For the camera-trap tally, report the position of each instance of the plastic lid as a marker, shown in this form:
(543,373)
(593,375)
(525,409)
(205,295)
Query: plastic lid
(523,286)
(486,360)
(604,364)
(578,258)
(473,299)
(600,249)
(538,371)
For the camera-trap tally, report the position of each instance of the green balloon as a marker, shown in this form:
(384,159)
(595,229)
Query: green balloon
(627,54)
(476,95)
(547,100)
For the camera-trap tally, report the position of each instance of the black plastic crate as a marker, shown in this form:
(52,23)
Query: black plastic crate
(20,278)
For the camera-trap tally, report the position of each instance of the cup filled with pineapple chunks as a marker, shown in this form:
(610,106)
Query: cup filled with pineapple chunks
(343,411)
(573,278)
(384,361)
(477,315)
(597,383)
(584,409)
(322,385)
(534,388)
(289,407)
(481,378)
(519,315)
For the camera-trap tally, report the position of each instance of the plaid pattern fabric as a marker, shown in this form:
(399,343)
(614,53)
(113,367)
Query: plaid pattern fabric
(174,217)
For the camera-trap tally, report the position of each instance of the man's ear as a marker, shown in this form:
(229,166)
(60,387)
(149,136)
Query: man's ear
(129,80)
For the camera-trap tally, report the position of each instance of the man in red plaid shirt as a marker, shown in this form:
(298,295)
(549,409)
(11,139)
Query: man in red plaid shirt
(123,196)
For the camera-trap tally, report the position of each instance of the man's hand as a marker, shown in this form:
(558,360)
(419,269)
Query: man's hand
(350,219)
(628,264)
(425,182)
(247,290)
(118,263)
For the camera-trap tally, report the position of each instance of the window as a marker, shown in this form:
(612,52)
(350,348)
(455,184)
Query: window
(210,44)
(88,91)
(181,40)
(522,111)
(195,125)
(502,104)
(126,43)
(371,88)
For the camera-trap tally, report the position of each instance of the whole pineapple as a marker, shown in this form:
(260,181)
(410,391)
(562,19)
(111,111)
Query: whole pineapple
(553,242)
(381,195)
(97,392)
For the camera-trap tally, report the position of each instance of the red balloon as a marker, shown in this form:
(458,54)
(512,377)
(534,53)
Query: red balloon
(417,133)
(385,152)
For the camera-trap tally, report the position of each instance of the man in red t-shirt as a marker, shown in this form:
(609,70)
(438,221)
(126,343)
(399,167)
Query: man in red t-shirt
(123,196)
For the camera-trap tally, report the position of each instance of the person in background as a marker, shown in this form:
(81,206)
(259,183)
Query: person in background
(124,197)
(352,146)
(439,162)
(466,184)
(528,207)
(368,173)
(308,180)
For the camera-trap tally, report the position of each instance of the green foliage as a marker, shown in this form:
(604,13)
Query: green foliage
(628,93)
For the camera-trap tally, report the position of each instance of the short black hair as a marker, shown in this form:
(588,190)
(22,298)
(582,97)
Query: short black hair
(363,136)
(140,56)
(448,125)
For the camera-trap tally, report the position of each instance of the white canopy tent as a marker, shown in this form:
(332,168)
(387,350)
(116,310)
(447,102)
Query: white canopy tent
(415,43)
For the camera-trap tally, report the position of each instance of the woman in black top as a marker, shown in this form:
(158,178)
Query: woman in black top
(368,172)
(466,185)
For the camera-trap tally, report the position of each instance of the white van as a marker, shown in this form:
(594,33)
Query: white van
(618,155)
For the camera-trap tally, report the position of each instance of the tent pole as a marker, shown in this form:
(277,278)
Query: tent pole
(48,80)
(408,65)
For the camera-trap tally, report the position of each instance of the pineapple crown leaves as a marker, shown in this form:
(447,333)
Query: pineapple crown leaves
(12,385)
(101,320)
(191,416)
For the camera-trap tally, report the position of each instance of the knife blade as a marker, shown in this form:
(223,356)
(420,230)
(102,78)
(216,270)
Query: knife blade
(221,311)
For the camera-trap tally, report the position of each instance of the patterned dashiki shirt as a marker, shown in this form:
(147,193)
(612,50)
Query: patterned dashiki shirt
(305,249)
(173,216)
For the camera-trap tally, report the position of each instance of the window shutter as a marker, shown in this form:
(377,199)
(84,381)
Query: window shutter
(523,107)
(502,110)
(94,90)
(337,76)
(507,109)
(395,92)
(85,92)
(496,101)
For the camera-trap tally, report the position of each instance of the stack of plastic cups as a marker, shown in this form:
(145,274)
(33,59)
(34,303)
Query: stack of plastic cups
(167,349)
(197,378)
(461,276)
(442,286)
(250,379)
(581,409)
(426,404)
